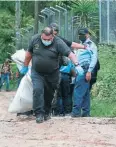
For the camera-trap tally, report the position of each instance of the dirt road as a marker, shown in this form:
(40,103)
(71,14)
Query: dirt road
(57,132)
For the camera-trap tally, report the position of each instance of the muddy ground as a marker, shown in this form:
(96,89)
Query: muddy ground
(57,132)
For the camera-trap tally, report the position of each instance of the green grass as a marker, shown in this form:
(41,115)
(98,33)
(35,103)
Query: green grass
(103,103)
(103,108)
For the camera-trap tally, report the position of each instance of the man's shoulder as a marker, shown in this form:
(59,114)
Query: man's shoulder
(36,36)
(91,44)
(57,38)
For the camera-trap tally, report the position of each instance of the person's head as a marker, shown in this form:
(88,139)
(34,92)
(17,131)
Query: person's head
(55,28)
(47,36)
(6,61)
(83,34)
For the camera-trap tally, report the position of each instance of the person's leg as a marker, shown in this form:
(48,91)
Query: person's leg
(93,79)
(79,92)
(0,83)
(71,95)
(54,105)
(2,80)
(7,82)
(55,101)
(59,100)
(48,97)
(38,96)
(86,104)
(51,84)
(65,92)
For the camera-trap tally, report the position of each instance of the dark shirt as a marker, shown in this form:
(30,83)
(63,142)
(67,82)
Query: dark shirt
(68,43)
(45,59)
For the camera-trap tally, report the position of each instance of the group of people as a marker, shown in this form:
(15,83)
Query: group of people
(49,75)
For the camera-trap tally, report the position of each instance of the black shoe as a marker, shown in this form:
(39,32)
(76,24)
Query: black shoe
(7,90)
(28,113)
(39,118)
(47,117)
(86,115)
(62,114)
(75,115)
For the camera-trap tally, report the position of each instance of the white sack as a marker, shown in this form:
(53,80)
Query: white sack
(19,58)
(23,99)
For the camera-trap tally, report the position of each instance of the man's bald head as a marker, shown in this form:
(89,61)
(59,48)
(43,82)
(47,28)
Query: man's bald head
(47,31)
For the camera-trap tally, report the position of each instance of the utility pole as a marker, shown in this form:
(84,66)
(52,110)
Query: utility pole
(36,17)
(17,23)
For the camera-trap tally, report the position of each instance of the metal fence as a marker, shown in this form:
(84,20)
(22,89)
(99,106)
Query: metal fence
(64,17)
(107,21)
(68,25)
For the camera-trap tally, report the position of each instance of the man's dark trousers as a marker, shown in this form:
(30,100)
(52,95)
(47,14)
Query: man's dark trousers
(64,92)
(44,86)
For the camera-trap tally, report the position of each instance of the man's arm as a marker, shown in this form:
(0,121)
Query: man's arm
(64,50)
(75,45)
(94,57)
(73,58)
(28,54)
(93,50)
(28,58)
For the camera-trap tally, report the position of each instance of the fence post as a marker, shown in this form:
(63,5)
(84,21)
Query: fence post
(44,21)
(17,22)
(59,23)
(66,21)
(100,21)
(36,17)
(108,21)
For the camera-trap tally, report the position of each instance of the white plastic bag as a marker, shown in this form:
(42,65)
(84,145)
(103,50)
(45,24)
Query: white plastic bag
(23,99)
(19,56)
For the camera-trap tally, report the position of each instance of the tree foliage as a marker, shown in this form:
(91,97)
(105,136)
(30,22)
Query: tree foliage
(7,27)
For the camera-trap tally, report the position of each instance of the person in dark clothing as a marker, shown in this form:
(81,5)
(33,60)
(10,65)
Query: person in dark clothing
(44,51)
(64,91)
(94,74)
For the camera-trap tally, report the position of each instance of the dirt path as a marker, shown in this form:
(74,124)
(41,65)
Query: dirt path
(57,132)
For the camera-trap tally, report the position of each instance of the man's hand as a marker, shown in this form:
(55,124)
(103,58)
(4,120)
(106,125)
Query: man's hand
(24,70)
(87,46)
(88,76)
(79,70)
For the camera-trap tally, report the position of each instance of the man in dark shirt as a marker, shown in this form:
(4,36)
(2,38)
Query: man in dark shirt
(44,51)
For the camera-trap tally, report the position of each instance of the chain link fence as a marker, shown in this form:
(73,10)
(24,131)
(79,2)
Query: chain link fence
(107,20)
(67,21)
